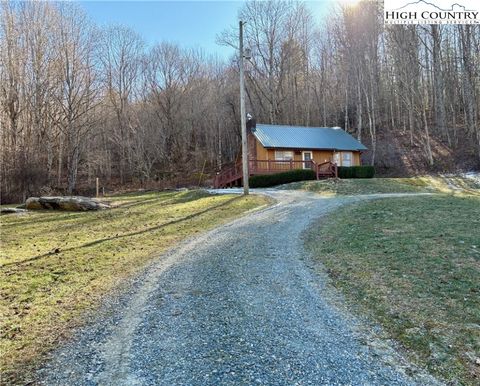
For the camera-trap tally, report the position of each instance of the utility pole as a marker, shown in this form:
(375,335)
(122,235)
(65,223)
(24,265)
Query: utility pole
(243,115)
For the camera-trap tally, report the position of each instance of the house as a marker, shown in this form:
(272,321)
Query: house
(278,148)
(320,144)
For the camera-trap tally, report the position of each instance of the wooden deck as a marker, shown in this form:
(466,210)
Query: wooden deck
(233,176)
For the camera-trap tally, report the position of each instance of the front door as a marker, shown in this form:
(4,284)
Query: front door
(307,156)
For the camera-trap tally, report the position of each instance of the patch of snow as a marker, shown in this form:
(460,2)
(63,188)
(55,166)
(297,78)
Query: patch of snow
(449,180)
(475,176)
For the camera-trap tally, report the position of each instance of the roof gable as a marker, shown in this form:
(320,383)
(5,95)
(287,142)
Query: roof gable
(299,137)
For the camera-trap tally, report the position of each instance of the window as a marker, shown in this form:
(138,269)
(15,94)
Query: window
(336,158)
(283,155)
(346,159)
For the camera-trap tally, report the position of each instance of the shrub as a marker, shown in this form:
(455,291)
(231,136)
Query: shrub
(264,181)
(356,171)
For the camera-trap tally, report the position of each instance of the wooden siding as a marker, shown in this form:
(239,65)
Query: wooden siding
(356,158)
(319,156)
(262,153)
(257,151)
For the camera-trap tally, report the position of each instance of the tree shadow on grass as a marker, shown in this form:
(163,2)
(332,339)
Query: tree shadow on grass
(99,241)
(53,216)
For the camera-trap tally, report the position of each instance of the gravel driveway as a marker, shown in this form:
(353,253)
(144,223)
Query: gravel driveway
(236,306)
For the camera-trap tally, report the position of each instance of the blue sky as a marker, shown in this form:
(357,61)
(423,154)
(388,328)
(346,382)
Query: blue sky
(188,23)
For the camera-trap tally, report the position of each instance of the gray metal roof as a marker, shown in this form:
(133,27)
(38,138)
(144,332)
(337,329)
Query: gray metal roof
(299,137)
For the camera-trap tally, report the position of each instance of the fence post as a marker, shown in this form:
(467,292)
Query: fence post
(201,174)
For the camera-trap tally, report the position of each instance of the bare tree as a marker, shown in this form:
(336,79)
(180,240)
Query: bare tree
(120,55)
(98,103)
(76,92)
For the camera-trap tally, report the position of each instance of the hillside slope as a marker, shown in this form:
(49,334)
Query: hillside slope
(396,156)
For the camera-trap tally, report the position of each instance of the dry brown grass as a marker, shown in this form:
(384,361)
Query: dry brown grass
(56,265)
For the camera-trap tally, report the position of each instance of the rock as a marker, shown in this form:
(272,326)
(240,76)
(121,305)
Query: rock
(71,203)
(33,203)
(12,210)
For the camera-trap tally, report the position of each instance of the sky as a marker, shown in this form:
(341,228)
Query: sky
(188,23)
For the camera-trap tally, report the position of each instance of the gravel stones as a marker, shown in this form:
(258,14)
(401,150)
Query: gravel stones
(236,306)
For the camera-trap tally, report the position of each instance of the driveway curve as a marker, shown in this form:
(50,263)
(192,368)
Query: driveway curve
(238,305)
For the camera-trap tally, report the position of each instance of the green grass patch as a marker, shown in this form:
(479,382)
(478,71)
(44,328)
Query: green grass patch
(412,264)
(56,265)
(348,187)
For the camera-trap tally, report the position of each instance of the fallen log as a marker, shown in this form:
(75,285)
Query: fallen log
(69,203)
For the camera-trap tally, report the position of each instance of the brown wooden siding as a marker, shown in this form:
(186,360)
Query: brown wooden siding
(262,153)
(319,156)
(356,158)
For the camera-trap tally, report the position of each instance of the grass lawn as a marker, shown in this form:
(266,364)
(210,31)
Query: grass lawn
(427,184)
(56,265)
(413,265)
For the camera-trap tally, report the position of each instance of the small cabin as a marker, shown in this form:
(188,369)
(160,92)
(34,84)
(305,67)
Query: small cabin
(279,148)
(297,143)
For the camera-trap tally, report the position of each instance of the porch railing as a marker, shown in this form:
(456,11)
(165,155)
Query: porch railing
(277,166)
(228,175)
(233,174)
(327,169)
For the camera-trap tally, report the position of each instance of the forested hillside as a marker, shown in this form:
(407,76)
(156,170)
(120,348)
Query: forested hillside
(78,101)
